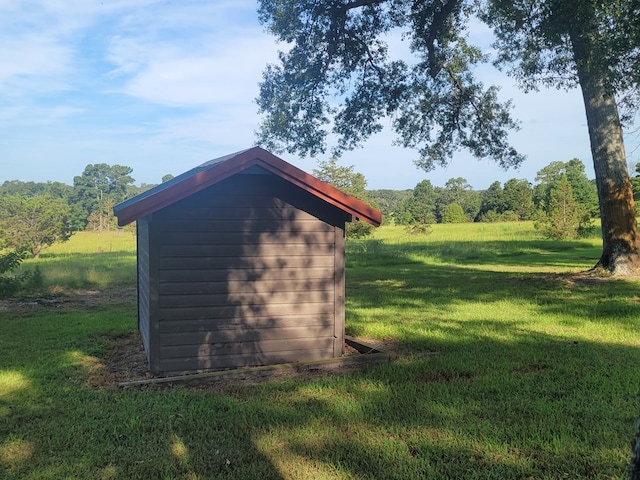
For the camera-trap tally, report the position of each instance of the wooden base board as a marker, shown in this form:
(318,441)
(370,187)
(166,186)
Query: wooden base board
(369,355)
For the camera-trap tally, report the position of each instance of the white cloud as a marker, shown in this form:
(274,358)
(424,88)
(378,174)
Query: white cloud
(214,76)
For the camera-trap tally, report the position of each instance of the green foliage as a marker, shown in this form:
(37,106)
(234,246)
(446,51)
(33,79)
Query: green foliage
(337,77)
(541,42)
(99,188)
(509,216)
(457,190)
(489,216)
(392,204)
(563,216)
(584,191)
(518,198)
(338,72)
(33,223)
(491,200)
(27,282)
(10,284)
(32,189)
(492,216)
(350,182)
(454,214)
(635,185)
(420,207)
(418,228)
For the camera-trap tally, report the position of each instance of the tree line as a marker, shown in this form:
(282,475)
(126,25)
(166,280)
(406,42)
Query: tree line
(562,201)
(34,215)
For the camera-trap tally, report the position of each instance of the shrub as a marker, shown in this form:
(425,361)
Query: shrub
(563,216)
(358,229)
(510,216)
(490,216)
(418,228)
(11,284)
(454,214)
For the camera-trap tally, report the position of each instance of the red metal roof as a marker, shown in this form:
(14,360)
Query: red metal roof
(216,170)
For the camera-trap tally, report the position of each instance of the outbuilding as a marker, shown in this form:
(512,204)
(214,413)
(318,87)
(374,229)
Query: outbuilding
(241,263)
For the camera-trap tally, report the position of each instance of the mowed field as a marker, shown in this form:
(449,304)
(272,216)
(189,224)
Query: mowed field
(513,364)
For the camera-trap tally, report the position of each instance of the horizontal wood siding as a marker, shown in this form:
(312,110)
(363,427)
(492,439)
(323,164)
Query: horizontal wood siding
(142,227)
(202,362)
(246,276)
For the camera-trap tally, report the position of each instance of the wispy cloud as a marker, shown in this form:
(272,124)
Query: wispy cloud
(92,76)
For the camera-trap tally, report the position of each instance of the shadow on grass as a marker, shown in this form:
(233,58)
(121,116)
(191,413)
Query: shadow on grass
(528,253)
(534,406)
(397,286)
(530,393)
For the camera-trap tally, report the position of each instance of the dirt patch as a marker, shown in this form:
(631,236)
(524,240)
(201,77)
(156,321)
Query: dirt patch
(74,299)
(124,360)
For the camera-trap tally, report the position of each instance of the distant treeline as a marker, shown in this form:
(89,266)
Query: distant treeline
(517,199)
(91,197)
(100,186)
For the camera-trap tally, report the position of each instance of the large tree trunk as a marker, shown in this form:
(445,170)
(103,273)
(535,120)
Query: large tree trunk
(620,243)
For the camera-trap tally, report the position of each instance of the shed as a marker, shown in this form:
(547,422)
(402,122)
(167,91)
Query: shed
(241,263)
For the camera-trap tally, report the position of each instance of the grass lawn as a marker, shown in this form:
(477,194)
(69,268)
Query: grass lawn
(532,373)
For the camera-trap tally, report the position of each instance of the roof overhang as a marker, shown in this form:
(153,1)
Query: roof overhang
(216,170)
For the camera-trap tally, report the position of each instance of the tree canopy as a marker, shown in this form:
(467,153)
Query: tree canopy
(33,223)
(339,54)
(350,182)
(98,189)
(337,81)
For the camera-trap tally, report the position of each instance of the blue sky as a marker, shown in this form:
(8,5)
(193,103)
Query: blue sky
(163,86)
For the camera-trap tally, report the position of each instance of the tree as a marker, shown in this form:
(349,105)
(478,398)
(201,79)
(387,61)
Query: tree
(101,185)
(584,191)
(421,206)
(593,45)
(392,203)
(338,72)
(29,189)
(458,190)
(454,214)
(491,200)
(563,215)
(10,284)
(33,223)
(635,186)
(518,198)
(350,182)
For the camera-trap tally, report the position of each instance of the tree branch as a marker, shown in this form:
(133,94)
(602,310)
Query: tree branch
(439,19)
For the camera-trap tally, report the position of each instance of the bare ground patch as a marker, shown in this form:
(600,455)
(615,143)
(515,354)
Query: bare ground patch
(125,361)
(74,299)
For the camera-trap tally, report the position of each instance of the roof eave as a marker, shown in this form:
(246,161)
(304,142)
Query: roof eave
(148,204)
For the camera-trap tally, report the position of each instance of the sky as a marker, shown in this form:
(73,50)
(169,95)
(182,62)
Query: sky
(163,86)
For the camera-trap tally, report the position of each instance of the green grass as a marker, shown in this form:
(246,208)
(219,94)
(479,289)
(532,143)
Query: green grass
(532,375)
(88,261)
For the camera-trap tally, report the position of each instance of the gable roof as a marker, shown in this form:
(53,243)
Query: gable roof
(218,169)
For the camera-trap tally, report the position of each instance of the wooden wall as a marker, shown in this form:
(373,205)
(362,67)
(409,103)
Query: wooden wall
(249,272)
(142,228)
